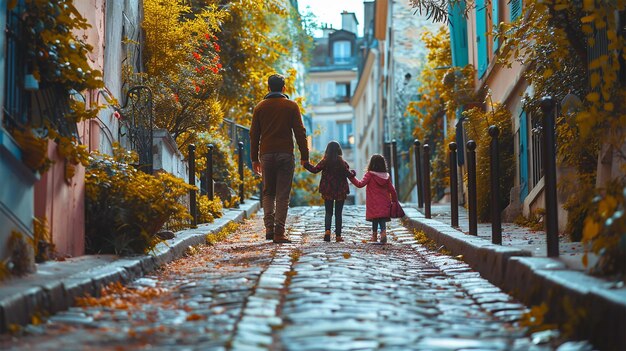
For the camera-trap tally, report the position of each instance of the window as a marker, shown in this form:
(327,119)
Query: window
(314,93)
(16,98)
(342,92)
(344,134)
(342,51)
(328,93)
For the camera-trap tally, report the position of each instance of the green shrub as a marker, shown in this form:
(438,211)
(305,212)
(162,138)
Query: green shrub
(477,130)
(125,208)
(208,210)
(605,230)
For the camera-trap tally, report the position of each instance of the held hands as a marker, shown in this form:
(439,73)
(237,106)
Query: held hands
(352,173)
(256,167)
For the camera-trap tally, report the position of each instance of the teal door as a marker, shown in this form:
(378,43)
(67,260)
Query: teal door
(523,155)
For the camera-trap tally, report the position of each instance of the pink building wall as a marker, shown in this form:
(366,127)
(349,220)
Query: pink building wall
(62,202)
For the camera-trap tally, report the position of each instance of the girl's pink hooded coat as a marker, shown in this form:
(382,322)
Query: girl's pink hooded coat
(378,194)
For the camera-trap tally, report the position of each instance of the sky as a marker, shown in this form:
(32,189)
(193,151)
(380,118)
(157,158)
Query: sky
(329,11)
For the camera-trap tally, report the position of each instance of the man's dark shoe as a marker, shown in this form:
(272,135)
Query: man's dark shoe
(269,236)
(281,238)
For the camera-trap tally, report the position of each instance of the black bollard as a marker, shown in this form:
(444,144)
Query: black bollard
(496,218)
(426,187)
(418,174)
(192,181)
(241,195)
(394,160)
(454,187)
(471,187)
(209,173)
(549,173)
(387,152)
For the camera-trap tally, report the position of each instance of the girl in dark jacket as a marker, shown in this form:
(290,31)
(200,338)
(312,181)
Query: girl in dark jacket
(333,185)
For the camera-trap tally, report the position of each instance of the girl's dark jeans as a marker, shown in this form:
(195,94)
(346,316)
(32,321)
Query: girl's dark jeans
(379,222)
(338,205)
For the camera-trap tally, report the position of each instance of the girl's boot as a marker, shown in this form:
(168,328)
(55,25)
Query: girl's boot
(374,237)
(383,237)
(327,235)
(338,238)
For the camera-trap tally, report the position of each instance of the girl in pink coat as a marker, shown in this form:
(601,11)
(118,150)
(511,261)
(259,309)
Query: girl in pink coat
(378,195)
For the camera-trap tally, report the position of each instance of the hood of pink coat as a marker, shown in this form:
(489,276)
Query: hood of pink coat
(380,177)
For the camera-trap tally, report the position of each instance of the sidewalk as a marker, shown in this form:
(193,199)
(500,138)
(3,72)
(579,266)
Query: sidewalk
(56,284)
(594,307)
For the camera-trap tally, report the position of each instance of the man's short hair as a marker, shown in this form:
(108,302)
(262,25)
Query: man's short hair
(276,82)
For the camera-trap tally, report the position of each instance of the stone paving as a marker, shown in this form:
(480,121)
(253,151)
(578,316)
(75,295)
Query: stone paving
(248,294)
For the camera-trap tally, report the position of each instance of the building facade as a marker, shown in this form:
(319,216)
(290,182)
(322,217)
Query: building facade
(58,195)
(330,84)
(473,42)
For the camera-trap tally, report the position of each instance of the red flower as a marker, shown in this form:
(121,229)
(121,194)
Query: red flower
(219,65)
(196,55)
(197,89)
(216,46)
(175,96)
(207,36)
(214,69)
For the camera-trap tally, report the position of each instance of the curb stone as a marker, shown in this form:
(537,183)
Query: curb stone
(534,280)
(537,280)
(489,259)
(56,285)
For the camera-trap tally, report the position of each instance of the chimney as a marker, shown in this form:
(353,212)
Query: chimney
(349,22)
(327,30)
(368,20)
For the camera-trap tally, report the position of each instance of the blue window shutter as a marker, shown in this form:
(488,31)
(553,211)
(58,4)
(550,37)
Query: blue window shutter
(458,35)
(515,7)
(523,155)
(481,37)
(495,20)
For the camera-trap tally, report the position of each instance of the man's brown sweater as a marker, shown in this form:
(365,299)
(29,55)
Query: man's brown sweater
(275,121)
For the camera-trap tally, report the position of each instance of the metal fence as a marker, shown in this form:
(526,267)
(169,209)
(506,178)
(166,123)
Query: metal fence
(238,133)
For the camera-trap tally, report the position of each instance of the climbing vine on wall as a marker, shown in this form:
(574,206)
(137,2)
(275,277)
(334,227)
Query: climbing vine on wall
(477,129)
(56,57)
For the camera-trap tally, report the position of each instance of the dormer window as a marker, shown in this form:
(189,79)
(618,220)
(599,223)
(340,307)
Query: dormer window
(342,52)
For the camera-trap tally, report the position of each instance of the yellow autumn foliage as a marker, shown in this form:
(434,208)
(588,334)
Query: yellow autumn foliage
(441,92)
(59,62)
(125,208)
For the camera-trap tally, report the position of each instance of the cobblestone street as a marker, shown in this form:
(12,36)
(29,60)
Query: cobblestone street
(248,294)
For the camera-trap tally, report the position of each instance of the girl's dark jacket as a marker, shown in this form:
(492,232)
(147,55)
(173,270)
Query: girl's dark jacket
(334,183)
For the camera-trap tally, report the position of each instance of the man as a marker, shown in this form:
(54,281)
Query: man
(275,121)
